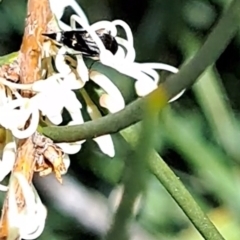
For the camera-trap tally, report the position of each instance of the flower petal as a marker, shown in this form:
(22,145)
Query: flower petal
(105,143)
(21,134)
(60,63)
(8,159)
(143,88)
(66,161)
(70,148)
(31,220)
(113,100)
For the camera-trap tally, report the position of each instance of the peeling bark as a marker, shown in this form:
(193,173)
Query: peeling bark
(39,15)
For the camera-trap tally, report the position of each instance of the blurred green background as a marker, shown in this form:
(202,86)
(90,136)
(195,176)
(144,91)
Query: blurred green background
(198,137)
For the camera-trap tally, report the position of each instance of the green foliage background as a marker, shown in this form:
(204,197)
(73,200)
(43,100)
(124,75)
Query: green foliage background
(197,136)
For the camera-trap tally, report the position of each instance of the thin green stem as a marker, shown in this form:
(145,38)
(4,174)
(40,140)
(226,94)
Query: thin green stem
(183,198)
(176,189)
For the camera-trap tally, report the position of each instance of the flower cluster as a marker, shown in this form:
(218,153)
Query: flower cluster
(55,92)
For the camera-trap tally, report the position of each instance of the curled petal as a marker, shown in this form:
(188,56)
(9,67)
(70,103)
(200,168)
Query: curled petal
(130,69)
(27,193)
(31,219)
(149,71)
(15,85)
(51,107)
(46,85)
(36,212)
(21,134)
(3,188)
(77,117)
(15,104)
(105,25)
(166,67)
(131,54)
(66,161)
(73,106)
(126,28)
(105,143)
(71,102)
(79,11)
(113,105)
(144,84)
(120,54)
(113,100)
(39,229)
(58,7)
(108,59)
(177,96)
(159,66)
(143,88)
(71,82)
(60,63)
(13,119)
(70,148)
(55,119)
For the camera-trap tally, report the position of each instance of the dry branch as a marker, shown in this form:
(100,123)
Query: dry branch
(38,17)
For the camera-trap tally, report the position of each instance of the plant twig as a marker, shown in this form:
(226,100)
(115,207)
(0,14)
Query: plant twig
(38,16)
(183,198)
(176,189)
(187,76)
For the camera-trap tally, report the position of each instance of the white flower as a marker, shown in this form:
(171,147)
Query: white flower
(55,93)
(30,221)
(53,96)
(15,113)
(147,79)
(66,161)
(112,99)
